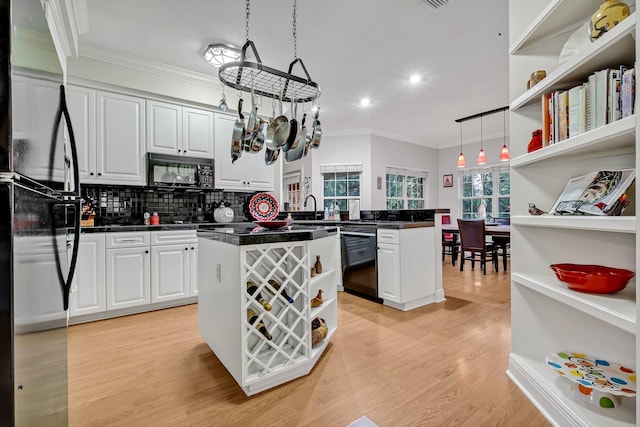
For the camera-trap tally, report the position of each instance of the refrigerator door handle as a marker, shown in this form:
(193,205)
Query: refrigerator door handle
(70,198)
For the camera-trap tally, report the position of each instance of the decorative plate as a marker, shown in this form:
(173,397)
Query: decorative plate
(595,279)
(263,207)
(274,224)
(595,374)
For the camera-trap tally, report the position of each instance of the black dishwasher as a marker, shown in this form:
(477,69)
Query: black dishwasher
(359,274)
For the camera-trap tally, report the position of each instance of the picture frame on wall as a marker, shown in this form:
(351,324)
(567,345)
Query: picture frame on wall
(447,180)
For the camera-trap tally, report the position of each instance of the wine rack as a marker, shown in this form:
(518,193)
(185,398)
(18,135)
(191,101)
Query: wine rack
(288,323)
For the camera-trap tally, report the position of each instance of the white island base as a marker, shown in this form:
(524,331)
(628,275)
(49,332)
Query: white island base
(255,362)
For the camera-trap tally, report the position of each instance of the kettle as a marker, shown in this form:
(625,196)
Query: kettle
(223,213)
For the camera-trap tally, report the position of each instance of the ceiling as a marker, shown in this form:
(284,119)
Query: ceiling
(352,49)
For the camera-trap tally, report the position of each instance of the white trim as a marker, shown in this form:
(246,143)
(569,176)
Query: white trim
(377,132)
(64,42)
(407,171)
(78,15)
(149,66)
(340,167)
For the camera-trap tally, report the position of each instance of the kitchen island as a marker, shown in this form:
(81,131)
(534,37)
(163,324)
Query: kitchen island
(255,292)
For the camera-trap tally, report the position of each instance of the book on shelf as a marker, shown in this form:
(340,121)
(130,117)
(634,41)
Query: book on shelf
(546,119)
(574,111)
(601,83)
(627,93)
(563,115)
(604,192)
(613,96)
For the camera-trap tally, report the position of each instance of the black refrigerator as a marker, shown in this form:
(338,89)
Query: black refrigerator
(39,220)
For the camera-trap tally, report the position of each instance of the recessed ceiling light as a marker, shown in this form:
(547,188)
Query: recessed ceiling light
(365,102)
(415,78)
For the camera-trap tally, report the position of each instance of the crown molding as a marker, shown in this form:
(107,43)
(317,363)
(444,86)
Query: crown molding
(149,66)
(375,132)
(63,37)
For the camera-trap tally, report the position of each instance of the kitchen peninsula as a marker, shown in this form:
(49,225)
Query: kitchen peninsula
(255,299)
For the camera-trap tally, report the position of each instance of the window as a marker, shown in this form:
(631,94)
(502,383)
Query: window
(406,188)
(341,184)
(485,193)
(292,191)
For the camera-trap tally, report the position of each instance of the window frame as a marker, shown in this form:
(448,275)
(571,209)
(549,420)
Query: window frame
(494,198)
(340,168)
(406,173)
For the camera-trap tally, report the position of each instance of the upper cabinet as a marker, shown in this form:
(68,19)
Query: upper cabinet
(176,130)
(109,132)
(249,172)
(547,317)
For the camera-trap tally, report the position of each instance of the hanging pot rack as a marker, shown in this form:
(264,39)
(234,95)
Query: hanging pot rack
(266,81)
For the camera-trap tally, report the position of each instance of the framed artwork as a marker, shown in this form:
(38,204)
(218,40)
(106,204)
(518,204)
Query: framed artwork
(447,180)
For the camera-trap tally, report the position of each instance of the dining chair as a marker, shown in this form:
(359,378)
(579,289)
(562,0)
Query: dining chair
(473,238)
(503,242)
(450,243)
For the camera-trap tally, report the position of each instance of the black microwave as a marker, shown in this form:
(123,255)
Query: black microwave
(167,171)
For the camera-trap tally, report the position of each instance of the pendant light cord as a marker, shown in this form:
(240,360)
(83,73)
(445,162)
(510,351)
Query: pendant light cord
(481,138)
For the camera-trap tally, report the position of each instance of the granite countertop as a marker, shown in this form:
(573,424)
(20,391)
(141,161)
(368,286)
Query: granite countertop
(396,225)
(250,234)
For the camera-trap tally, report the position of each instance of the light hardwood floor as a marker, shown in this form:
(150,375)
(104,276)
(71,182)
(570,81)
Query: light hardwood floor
(439,365)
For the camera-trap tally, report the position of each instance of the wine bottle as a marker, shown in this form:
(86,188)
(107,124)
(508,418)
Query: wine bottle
(252,289)
(282,290)
(252,317)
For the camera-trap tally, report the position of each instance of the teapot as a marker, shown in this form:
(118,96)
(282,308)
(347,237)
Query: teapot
(223,213)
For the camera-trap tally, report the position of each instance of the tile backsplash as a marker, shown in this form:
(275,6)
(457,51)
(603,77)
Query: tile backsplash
(128,204)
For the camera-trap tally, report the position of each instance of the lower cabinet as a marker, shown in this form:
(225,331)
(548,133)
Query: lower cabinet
(389,272)
(174,262)
(88,286)
(128,277)
(408,274)
(134,271)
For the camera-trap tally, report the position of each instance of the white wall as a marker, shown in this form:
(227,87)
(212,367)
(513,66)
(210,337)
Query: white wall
(343,149)
(388,152)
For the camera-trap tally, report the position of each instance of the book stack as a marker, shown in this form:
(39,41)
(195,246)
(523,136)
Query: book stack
(607,95)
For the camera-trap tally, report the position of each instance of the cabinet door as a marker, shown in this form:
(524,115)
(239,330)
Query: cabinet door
(169,272)
(81,103)
(258,175)
(164,128)
(193,269)
(228,176)
(121,144)
(197,134)
(88,292)
(389,272)
(127,277)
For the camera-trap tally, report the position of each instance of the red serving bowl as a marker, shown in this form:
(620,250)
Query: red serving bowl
(595,279)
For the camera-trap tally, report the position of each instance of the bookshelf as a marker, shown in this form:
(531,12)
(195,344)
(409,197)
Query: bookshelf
(546,316)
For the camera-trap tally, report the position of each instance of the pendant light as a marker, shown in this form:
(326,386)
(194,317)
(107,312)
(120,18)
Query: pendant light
(482,158)
(461,162)
(504,154)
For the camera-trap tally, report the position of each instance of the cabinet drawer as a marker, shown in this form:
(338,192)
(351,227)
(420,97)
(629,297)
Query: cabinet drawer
(389,236)
(127,239)
(173,237)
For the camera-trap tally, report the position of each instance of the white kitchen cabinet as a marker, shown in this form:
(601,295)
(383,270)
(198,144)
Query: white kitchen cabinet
(34,104)
(389,272)
(408,274)
(177,130)
(81,103)
(109,132)
(173,264)
(88,288)
(128,264)
(546,316)
(121,147)
(249,172)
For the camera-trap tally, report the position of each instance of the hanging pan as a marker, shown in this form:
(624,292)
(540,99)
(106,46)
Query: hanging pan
(238,135)
(294,130)
(316,134)
(297,149)
(278,131)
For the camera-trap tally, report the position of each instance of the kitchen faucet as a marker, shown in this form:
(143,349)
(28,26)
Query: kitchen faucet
(314,204)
